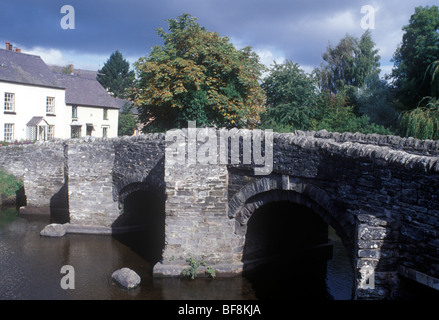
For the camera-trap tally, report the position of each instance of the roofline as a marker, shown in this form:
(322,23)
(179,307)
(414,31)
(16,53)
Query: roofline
(22,53)
(91,106)
(33,85)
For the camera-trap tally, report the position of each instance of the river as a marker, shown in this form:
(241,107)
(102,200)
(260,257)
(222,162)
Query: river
(30,269)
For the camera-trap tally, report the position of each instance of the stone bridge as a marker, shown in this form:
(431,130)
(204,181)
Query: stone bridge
(379,193)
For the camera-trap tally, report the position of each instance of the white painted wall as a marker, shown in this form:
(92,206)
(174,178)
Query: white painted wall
(30,101)
(95,116)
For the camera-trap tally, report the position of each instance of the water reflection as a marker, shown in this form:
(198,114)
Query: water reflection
(30,269)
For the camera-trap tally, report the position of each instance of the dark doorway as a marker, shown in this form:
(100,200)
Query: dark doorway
(286,252)
(145,212)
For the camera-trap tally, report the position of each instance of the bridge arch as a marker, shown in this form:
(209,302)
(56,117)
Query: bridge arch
(136,191)
(142,212)
(267,190)
(283,225)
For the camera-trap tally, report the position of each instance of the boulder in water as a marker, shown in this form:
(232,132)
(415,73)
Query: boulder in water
(54,230)
(126,277)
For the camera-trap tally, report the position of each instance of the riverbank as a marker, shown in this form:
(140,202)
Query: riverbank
(11,190)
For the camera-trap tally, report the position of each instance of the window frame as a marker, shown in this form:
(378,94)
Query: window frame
(50,107)
(8,133)
(50,132)
(9,102)
(74,112)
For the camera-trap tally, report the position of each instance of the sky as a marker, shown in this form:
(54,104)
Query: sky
(277,30)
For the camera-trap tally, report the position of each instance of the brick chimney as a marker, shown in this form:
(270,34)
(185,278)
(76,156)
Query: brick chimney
(8,46)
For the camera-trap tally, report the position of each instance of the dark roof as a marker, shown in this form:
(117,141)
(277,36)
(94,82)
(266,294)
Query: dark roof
(83,73)
(35,121)
(121,103)
(26,69)
(85,92)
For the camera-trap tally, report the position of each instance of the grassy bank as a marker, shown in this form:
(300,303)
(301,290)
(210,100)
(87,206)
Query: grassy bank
(9,185)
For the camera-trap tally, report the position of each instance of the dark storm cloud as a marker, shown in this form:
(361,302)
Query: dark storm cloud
(297,30)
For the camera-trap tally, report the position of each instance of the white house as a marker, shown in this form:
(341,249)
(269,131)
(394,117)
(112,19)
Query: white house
(39,104)
(90,109)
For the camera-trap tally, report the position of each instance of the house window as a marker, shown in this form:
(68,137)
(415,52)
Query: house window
(9,102)
(9,132)
(50,105)
(105,114)
(76,132)
(74,112)
(104,132)
(90,129)
(50,132)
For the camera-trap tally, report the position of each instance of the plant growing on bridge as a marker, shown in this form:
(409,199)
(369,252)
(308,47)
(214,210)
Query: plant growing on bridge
(192,270)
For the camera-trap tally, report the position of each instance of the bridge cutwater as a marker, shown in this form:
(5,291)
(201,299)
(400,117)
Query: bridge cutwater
(379,193)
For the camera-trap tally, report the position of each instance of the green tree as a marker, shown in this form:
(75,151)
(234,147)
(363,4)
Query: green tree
(418,50)
(349,63)
(291,98)
(198,75)
(422,122)
(116,76)
(376,100)
(433,73)
(127,121)
(337,115)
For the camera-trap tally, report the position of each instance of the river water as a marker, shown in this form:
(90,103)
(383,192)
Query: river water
(30,269)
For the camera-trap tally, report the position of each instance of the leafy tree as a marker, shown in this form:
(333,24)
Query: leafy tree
(116,76)
(337,115)
(291,98)
(198,75)
(376,100)
(433,72)
(349,63)
(354,98)
(422,122)
(127,121)
(418,50)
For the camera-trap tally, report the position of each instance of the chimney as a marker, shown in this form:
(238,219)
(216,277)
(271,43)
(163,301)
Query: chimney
(8,46)
(71,69)
(18,50)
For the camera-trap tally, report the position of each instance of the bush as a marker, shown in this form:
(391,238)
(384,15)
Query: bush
(9,185)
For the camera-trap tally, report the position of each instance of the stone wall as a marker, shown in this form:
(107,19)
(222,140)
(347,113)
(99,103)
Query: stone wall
(196,221)
(103,171)
(378,192)
(90,182)
(41,167)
